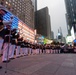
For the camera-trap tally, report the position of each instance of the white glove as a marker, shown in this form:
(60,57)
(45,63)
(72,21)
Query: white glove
(7,22)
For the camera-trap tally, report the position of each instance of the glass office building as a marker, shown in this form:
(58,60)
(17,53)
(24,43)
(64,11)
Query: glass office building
(71,14)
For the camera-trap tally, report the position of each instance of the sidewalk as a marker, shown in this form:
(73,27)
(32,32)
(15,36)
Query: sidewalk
(44,64)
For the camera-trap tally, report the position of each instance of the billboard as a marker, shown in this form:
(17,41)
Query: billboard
(69,39)
(25,31)
(72,33)
(7,16)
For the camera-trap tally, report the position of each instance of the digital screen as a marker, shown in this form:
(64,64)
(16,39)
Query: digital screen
(15,20)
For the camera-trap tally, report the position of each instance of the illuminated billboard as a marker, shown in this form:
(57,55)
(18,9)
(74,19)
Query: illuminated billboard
(26,32)
(69,39)
(72,33)
(15,19)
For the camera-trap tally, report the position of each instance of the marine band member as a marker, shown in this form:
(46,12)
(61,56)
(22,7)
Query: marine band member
(3,23)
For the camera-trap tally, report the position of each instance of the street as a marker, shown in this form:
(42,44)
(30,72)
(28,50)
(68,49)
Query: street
(43,64)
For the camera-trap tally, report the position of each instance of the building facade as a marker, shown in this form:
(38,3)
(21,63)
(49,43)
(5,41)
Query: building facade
(34,2)
(52,35)
(43,22)
(71,14)
(23,9)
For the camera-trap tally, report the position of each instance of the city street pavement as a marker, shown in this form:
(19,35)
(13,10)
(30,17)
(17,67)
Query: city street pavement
(43,64)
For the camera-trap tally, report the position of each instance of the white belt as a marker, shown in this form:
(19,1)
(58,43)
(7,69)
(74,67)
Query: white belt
(8,35)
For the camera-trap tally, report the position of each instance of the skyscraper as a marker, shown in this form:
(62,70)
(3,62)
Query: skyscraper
(34,2)
(43,22)
(71,14)
(23,9)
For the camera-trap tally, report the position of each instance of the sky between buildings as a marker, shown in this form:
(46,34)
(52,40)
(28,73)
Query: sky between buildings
(57,12)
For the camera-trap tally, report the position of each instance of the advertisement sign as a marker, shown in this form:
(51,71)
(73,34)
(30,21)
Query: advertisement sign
(26,32)
(69,39)
(72,33)
(7,17)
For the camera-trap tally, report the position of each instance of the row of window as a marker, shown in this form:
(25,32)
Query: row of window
(20,7)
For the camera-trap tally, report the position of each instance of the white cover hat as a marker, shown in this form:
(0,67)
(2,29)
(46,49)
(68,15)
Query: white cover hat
(3,8)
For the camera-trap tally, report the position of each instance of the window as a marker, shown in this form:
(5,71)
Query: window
(72,10)
(73,15)
(71,4)
(70,0)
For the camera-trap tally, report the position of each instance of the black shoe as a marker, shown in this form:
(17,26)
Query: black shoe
(12,58)
(18,57)
(0,67)
(6,61)
(0,55)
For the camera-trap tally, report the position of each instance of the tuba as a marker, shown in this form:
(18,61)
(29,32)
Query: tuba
(1,27)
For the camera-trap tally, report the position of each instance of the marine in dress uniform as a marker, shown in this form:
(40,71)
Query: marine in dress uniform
(1,32)
(37,49)
(22,47)
(33,49)
(13,44)
(26,49)
(7,44)
(1,29)
(30,49)
(18,45)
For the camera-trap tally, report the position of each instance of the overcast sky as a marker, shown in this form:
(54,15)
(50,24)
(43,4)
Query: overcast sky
(57,13)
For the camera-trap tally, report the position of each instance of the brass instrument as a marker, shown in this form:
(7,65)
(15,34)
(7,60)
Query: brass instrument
(1,27)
